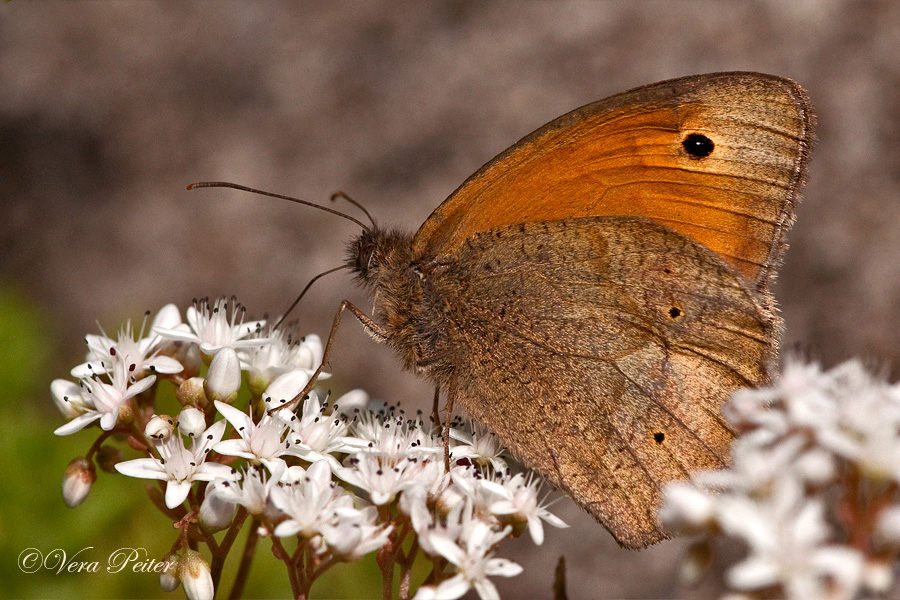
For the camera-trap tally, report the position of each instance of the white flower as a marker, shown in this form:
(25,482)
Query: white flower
(178,466)
(311,502)
(265,363)
(168,581)
(849,413)
(754,469)
(787,537)
(818,459)
(878,576)
(213,330)
(430,477)
(687,508)
(472,558)
(263,441)
(393,437)
(382,479)
(355,534)
(519,500)
(254,490)
(137,355)
(103,401)
(315,435)
(481,446)
(414,504)
(468,483)
(816,466)
(869,423)
(429,485)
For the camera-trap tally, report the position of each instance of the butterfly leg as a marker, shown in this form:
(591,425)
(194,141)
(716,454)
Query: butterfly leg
(441,424)
(451,395)
(372,328)
(435,407)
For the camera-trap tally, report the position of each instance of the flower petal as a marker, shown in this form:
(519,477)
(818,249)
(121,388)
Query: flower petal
(145,468)
(177,492)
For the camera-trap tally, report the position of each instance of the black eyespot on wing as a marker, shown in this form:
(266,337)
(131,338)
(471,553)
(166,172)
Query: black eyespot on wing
(659,437)
(698,145)
(675,313)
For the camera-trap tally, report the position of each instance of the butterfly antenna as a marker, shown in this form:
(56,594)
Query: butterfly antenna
(303,293)
(344,196)
(227,184)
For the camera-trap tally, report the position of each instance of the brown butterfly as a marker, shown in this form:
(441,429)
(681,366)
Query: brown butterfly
(596,292)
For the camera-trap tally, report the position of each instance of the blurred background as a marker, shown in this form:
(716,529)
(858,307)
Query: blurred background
(109,109)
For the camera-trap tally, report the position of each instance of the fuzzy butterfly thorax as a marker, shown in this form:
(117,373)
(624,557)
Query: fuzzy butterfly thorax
(408,301)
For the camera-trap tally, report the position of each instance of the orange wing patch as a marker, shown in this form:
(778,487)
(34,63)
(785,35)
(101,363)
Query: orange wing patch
(626,156)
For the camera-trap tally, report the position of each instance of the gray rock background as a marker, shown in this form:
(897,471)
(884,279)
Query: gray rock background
(108,109)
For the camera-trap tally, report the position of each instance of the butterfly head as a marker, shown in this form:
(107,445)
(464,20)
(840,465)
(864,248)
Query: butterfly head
(376,252)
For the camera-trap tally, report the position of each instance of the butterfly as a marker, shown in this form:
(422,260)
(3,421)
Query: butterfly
(596,292)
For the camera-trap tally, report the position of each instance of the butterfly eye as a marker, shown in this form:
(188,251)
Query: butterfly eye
(364,256)
(698,145)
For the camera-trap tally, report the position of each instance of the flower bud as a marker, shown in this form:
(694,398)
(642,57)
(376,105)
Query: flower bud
(168,317)
(195,577)
(80,476)
(259,379)
(191,422)
(351,401)
(216,513)
(308,355)
(224,377)
(168,578)
(159,427)
(285,388)
(190,392)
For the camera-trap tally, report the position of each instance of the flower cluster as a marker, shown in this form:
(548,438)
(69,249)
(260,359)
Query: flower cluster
(341,478)
(812,494)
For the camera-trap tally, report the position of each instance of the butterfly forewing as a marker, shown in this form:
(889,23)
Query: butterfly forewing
(626,155)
